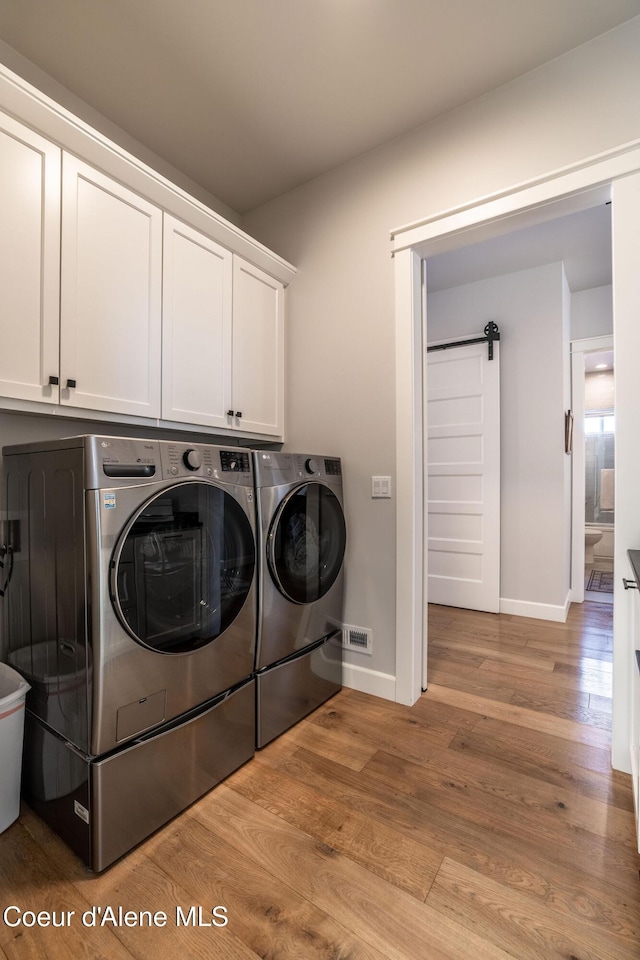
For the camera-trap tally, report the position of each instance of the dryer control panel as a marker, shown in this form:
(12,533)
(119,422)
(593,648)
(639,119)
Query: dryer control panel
(274,468)
(322,468)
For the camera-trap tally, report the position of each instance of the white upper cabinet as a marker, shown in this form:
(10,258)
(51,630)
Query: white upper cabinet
(258,351)
(222,337)
(196,327)
(29,263)
(110,295)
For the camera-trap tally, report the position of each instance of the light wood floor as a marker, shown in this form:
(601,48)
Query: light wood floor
(484,822)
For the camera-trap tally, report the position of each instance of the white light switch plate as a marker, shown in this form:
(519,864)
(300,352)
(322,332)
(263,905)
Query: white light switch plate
(381,487)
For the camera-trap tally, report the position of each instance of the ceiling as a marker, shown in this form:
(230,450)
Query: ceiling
(250,98)
(582,241)
(598,363)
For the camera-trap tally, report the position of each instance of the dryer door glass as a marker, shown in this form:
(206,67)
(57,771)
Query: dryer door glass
(183,568)
(307,543)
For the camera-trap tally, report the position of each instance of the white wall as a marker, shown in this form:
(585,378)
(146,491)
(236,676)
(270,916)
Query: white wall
(528,307)
(592,313)
(335,229)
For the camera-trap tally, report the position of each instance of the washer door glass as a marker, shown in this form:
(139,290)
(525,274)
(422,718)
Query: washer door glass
(183,568)
(307,543)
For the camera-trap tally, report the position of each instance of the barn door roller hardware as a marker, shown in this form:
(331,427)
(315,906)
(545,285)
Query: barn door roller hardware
(491,333)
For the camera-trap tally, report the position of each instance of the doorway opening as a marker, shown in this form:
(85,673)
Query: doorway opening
(543,285)
(593,470)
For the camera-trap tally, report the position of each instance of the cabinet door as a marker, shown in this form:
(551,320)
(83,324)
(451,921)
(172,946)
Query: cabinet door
(110,296)
(258,350)
(196,327)
(29,263)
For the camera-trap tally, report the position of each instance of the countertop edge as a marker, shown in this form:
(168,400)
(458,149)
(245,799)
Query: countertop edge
(634,560)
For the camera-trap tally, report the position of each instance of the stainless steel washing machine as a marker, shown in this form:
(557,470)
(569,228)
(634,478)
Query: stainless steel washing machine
(302,540)
(131,608)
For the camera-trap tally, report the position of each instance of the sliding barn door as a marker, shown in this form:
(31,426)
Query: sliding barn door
(463,452)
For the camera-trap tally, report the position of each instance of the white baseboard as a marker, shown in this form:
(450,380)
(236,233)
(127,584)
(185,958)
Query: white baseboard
(369,681)
(537,611)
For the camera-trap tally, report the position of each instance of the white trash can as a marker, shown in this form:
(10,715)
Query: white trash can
(13,690)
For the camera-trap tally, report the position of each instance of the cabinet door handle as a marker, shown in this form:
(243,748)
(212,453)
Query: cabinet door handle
(238,414)
(70,384)
(229,413)
(629,584)
(53,381)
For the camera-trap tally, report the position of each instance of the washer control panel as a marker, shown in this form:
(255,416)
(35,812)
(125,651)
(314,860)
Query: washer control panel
(187,460)
(113,462)
(180,460)
(235,461)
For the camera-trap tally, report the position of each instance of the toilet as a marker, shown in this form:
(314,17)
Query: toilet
(591,536)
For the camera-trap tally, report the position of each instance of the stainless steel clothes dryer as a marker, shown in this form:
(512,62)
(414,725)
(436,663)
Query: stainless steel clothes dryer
(302,539)
(132,610)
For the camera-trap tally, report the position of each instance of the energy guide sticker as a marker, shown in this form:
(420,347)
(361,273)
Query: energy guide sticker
(109,501)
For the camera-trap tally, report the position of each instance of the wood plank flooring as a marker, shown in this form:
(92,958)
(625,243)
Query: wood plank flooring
(484,822)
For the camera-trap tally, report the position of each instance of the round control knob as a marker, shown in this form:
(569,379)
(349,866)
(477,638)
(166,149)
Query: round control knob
(310,466)
(192,459)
